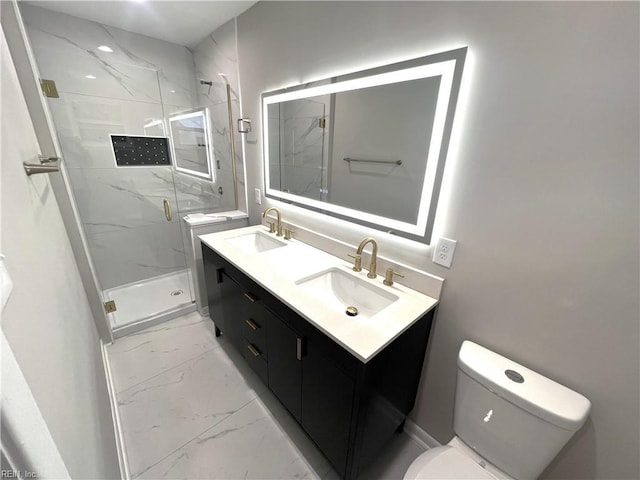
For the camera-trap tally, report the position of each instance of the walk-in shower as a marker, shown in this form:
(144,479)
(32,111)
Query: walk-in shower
(144,142)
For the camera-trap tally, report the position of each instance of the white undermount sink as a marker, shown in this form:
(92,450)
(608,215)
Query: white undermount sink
(346,294)
(256,242)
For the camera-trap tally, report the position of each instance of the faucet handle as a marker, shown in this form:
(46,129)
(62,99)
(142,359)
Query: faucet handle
(357,266)
(272,226)
(388,276)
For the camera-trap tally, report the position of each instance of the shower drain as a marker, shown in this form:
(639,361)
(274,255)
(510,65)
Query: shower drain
(175,293)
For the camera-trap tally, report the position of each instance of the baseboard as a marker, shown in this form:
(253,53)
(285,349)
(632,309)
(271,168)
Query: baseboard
(115,415)
(419,435)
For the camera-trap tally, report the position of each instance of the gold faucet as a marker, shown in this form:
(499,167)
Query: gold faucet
(278,218)
(374,254)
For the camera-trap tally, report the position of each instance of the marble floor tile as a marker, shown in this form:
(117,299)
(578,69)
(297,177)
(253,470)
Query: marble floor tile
(169,410)
(296,435)
(247,444)
(140,356)
(394,460)
(198,411)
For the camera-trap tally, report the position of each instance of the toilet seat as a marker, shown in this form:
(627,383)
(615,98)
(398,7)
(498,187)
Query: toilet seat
(446,462)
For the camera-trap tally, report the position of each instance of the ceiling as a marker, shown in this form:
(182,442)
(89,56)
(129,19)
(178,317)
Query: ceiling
(183,22)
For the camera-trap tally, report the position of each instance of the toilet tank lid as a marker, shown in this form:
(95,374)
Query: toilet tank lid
(523,387)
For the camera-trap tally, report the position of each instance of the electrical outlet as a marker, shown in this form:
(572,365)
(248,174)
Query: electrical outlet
(258,196)
(443,253)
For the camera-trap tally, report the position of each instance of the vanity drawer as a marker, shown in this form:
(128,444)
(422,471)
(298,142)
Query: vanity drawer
(255,323)
(254,357)
(254,331)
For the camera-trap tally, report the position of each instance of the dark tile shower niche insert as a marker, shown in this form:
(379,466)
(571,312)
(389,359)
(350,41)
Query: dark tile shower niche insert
(140,151)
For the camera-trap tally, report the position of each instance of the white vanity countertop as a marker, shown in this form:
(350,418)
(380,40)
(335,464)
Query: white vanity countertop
(278,269)
(207,218)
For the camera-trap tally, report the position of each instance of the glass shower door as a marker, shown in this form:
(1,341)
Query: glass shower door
(151,253)
(126,197)
(119,85)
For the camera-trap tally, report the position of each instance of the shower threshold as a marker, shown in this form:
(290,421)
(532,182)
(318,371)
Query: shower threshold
(152,301)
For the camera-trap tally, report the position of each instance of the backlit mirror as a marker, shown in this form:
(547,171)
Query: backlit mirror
(369,147)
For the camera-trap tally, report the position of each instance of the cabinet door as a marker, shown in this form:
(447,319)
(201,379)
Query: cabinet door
(213,280)
(232,310)
(285,366)
(327,400)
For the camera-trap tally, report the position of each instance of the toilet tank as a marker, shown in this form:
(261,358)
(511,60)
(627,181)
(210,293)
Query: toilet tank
(513,417)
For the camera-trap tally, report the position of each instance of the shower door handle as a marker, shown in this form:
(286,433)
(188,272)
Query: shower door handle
(167,210)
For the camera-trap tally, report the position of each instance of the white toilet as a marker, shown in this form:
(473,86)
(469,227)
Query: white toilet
(509,421)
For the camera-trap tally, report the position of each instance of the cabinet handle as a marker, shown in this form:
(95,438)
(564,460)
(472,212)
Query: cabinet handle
(254,326)
(253,350)
(299,348)
(250,297)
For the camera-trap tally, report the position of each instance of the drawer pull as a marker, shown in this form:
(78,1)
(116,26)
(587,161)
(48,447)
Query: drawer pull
(254,326)
(253,350)
(250,297)
(299,348)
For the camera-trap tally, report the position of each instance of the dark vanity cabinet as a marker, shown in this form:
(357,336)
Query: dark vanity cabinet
(285,366)
(237,311)
(213,275)
(349,408)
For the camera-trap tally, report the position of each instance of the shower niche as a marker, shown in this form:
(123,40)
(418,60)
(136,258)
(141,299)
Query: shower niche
(140,151)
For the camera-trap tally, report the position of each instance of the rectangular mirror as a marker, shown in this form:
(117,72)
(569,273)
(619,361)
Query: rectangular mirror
(368,147)
(191,144)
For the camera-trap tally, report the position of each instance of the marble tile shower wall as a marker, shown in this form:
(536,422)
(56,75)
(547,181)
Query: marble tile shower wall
(215,55)
(125,91)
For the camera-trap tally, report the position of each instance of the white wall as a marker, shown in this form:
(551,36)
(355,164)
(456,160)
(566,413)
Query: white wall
(541,193)
(47,320)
